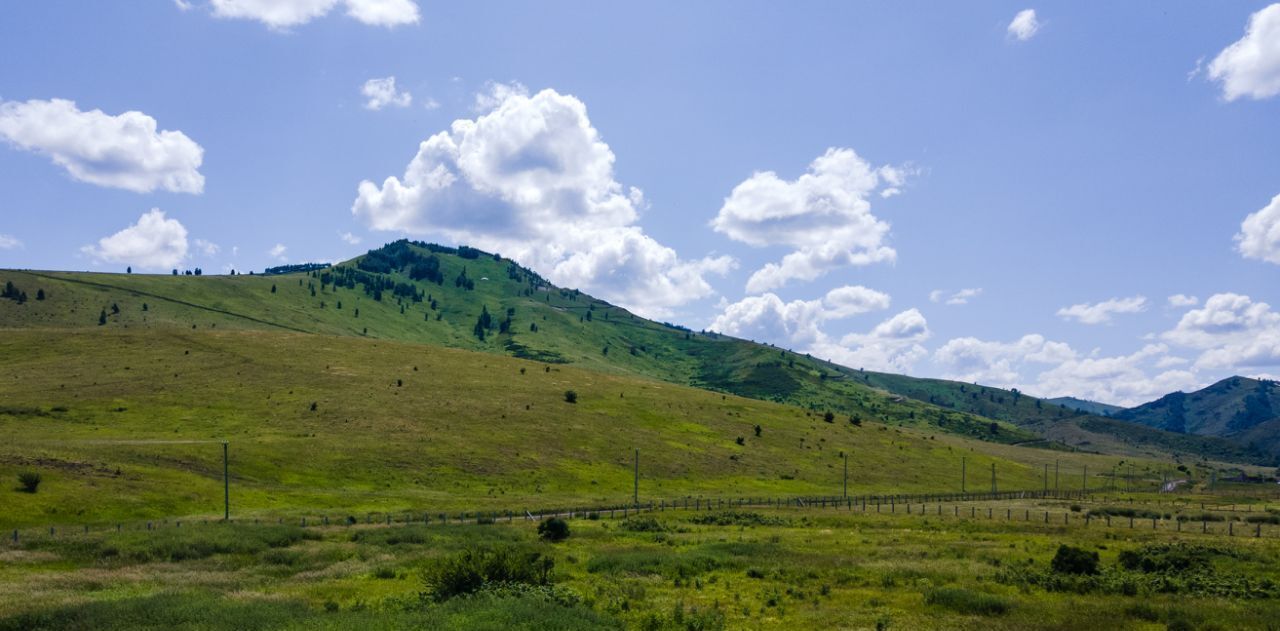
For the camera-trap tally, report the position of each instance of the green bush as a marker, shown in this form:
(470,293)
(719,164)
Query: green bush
(1072,560)
(642,524)
(553,529)
(738,518)
(476,568)
(30,481)
(966,601)
(570,396)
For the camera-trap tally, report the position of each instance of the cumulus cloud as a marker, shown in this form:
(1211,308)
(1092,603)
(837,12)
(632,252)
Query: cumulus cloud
(1062,371)
(1259,236)
(1101,312)
(124,151)
(1251,66)
(349,238)
(768,318)
(1231,331)
(960,297)
(1024,25)
(208,248)
(1179,301)
(380,93)
(283,14)
(9,242)
(154,242)
(532,179)
(277,252)
(894,345)
(824,214)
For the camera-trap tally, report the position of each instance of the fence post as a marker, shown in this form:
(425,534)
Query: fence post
(15,536)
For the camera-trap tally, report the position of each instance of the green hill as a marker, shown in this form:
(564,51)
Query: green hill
(1086,406)
(1242,410)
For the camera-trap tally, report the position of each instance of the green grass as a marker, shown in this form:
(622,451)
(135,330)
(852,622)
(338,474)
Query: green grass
(790,569)
(131,430)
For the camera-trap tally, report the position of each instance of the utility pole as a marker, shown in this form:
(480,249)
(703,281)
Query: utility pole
(962,474)
(1055,476)
(846,475)
(1084,480)
(993,477)
(226,484)
(635,493)
(1046,478)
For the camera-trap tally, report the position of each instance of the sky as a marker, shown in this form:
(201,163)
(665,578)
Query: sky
(1072,198)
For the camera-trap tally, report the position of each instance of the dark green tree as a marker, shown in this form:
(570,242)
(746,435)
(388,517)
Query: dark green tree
(102,317)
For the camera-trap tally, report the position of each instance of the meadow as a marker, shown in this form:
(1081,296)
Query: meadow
(749,568)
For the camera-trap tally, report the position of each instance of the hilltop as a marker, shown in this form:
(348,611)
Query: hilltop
(1242,410)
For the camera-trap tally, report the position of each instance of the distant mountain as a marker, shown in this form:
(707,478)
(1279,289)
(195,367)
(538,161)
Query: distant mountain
(1086,406)
(1243,410)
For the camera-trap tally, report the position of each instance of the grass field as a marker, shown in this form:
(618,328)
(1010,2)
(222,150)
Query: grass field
(127,425)
(746,568)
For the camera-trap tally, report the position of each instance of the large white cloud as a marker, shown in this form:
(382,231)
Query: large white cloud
(1061,371)
(1231,331)
(1259,236)
(894,345)
(824,214)
(124,151)
(1101,312)
(1024,25)
(767,318)
(155,242)
(533,180)
(380,93)
(1251,66)
(282,14)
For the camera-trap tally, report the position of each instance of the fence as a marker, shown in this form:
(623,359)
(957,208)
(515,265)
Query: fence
(923,504)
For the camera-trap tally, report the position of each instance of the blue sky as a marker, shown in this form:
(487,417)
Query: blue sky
(1073,168)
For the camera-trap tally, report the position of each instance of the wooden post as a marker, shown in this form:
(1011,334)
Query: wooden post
(635,496)
(226,484)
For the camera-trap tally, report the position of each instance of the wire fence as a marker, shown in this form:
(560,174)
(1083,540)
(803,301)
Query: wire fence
(1243,520)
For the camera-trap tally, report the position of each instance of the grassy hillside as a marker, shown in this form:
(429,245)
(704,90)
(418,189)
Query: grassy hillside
(1242,410)
(126,424)
(1083,405)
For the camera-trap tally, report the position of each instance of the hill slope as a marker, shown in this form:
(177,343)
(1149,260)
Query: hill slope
(467,299)
(1243,410)
(1086,406)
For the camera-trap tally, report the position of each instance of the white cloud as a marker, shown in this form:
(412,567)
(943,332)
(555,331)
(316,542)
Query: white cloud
(283,14)
(123,151)
(154,242)
(382,92)
(1251,66)
(1259,236)
(1123,380)
(767,318)
(960,297)
(824,214)
(998,363)
(277,252)
(386,13)
(893,345)
(533,180)
(9,242)
(431,104)
(208,248)
(350,238)
(1179,301)
(1231,331)
(1101,312)
(1024,25)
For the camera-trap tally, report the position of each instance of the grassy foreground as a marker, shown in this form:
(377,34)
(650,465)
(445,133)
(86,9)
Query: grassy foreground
(754,569)
(127,425)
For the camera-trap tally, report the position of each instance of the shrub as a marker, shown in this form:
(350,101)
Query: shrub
(474,569)
(553,529)
(30,481)
(1072,560)
(642,524)
(966,601)
(570,396)
(829,417)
